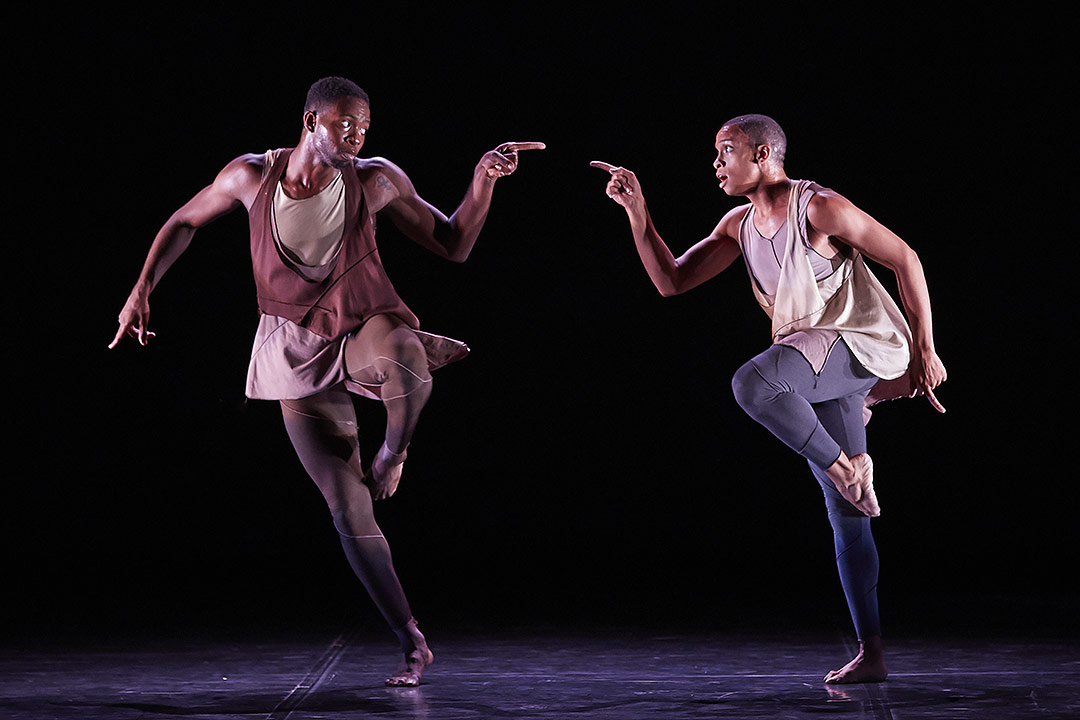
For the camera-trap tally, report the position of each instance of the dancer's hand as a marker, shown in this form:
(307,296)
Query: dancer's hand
(503,160)
(623,187)
(134,319)
(927,372)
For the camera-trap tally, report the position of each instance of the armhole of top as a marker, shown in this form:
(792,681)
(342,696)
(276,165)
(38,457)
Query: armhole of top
(808,193)
(268,162)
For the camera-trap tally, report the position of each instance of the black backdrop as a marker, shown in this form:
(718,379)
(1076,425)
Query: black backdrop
(587,463)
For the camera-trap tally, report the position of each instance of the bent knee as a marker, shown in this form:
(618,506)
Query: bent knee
(748,386)
(402,351)
(355,521)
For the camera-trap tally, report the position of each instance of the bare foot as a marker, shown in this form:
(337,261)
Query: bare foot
(867,666)
(417,657)
(854,480)
(385,472)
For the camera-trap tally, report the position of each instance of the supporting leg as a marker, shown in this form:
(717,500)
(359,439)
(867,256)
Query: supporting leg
(323,432)
(856,552)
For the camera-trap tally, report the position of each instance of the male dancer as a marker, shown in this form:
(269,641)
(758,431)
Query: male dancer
(331,321)
(836,333)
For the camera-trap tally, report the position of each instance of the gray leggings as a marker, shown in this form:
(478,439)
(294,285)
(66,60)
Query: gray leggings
(817,416)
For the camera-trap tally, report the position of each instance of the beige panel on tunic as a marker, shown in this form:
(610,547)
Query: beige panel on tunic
(851,303)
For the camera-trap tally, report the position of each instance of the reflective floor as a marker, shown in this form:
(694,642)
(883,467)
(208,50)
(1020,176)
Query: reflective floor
(537,674)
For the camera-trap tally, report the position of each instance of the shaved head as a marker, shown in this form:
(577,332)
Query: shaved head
(762,130)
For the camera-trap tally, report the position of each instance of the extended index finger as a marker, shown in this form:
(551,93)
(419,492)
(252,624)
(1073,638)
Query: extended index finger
(603,165)
(934,401)
(119,336)
(516,146)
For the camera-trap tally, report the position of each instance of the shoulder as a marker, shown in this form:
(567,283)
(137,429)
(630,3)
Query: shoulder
(826,203)
(244,171)
(729,225)
(373,168)
(383,181)
(831,213)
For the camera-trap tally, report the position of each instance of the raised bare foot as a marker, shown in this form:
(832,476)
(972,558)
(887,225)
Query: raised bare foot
(867,666)
(385,472)
(417,657)
(854,480)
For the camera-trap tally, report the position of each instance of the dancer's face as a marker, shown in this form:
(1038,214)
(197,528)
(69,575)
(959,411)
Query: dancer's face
(338,132)
(736,164)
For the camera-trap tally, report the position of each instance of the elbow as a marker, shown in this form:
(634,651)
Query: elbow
(669,289)
(909,264)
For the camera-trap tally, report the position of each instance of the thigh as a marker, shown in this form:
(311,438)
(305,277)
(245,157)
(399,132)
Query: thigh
(382,338)
(322,429)
(842,377)
(842,418)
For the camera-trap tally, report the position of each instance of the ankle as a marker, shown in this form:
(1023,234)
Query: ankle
(871,648)
(388,457)
(842,471)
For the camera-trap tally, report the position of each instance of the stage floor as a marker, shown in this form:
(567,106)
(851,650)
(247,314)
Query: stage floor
(536,674)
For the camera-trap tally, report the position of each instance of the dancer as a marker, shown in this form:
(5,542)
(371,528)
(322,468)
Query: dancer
(840,343)
(331,322)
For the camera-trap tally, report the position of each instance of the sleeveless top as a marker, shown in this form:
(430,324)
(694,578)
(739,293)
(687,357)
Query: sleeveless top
(810,313)
(299,351)
(336,297)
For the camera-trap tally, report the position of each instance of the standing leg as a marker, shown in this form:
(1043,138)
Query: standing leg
(386,355)
(856,553)
(323,432)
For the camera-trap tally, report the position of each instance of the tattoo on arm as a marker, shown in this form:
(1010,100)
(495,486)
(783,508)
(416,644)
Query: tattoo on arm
(383,183)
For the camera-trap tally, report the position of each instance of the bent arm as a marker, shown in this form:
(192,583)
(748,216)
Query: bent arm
(452,238)
(671,276)
(836,216)
(675,275)
(231,189)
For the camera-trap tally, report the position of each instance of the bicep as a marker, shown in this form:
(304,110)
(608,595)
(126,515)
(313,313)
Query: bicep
(841,219)
(234,187)
(707,259)
(416,218)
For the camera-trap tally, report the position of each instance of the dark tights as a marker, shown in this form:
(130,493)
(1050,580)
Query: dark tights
(818,415)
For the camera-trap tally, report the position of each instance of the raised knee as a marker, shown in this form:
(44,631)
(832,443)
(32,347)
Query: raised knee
(747,385)
(404,354)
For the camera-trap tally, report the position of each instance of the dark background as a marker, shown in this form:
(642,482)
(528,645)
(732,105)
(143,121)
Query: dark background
(587,464)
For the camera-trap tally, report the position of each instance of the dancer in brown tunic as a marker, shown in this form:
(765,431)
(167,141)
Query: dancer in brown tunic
(331,320)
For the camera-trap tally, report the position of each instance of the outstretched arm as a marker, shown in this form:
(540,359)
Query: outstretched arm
(836,216)
(452,238)
(232,188)
(669,274)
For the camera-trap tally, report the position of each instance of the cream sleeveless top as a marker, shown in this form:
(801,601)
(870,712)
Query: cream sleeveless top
(849,303)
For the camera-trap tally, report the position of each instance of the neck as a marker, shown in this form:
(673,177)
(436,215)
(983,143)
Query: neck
(771,195)
(305,170)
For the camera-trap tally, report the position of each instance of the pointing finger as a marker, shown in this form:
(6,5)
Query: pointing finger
(603,166)
(516,146)
(934,401)
(119,336)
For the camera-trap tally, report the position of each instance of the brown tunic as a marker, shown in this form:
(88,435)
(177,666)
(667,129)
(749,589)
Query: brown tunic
(346,291)
(308,312)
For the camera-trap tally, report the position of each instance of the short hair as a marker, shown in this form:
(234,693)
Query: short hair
(762,130)
(326,91)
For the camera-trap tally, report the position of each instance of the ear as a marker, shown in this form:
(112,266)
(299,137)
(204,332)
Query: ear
(764,152)
(309,121)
